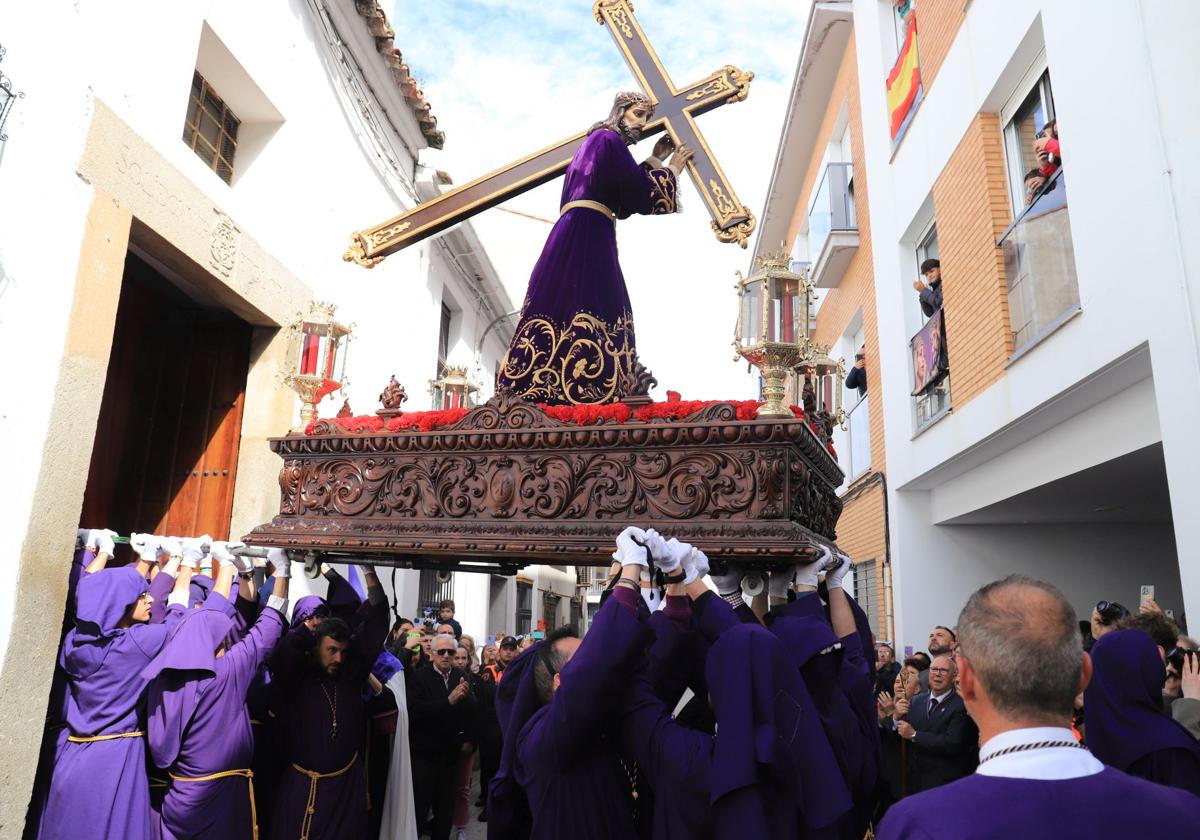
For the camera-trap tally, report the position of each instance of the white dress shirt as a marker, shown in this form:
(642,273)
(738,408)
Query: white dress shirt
(1047,763)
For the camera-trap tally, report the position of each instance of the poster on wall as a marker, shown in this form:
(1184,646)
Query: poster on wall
(904,89)
(929,354)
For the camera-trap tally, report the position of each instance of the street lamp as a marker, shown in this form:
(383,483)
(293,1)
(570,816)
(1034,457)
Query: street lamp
(773,326)
(319,350)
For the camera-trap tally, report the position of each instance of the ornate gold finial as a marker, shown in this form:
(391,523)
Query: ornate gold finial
(775,260)
(739,233)
(741,80)
(598,7)
(357,252)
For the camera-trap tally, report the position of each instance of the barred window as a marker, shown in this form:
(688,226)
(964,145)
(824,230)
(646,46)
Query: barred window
(866,592)
(210,129)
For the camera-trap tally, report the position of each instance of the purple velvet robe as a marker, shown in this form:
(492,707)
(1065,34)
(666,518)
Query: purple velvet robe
(1106,804)
(99,788)
(198,722)
(575,338)
(304,697)
(1126,725)
(841,686)
(559,760)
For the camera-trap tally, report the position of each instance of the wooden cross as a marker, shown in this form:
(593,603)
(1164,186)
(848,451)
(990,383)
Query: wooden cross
(675,112)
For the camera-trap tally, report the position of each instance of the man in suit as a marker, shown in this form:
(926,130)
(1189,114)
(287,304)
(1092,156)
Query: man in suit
(1022,667)
(943,741)
(441,727)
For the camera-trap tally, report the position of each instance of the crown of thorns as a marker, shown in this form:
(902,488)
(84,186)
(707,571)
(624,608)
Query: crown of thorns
(628,98)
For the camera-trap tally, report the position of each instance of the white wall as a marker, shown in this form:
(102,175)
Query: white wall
(316,176)
(1132,183)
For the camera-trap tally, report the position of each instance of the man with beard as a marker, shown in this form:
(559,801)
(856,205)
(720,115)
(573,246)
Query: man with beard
(575,339)
(942,641)
(317,685)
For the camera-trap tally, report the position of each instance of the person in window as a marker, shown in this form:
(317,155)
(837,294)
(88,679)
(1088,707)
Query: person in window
(930,289)
(1034,181)
(857,377)
(1048,149)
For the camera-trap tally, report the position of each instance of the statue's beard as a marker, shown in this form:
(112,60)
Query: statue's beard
(629,134)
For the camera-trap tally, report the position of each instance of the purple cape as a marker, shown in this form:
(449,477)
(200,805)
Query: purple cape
(575,338)
(1123,702)
(766,732)
(175,679)
(516,701)
(101,600)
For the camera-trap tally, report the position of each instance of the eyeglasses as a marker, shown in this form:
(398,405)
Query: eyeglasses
(443,653)
(939,670)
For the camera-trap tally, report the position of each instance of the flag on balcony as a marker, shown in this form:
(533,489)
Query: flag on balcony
(904,90)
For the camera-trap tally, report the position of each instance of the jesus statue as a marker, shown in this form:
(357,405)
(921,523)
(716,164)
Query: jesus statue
(575,342)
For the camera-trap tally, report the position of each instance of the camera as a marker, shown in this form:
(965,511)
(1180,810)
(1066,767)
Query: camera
(1177,656)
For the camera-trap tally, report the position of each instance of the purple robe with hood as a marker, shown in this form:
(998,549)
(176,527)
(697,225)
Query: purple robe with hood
(1126,725)
(99,787)
(198,724)
(304,698)
(841,685)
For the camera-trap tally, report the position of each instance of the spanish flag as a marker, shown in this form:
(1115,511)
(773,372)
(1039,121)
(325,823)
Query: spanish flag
(904,89)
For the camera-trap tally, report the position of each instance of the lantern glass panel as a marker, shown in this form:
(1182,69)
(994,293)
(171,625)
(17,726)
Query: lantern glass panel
(783,322)
(337,370)
(310,351)
(752,313)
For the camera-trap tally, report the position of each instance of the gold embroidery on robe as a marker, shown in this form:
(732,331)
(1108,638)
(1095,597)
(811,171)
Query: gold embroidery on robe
(665,197)
(579,364)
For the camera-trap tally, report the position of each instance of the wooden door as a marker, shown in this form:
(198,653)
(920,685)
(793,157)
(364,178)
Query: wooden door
(165,456)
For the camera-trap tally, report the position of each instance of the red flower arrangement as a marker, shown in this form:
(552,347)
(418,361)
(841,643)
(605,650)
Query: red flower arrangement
(580,415)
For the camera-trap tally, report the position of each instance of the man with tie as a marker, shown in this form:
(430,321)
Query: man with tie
(942,739)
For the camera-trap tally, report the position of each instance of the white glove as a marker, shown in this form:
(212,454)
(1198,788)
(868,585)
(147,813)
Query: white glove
(657,546)
(807,573)
(673,558)
(695,565)
(194,551)
(145,546)
(730,582)
(102,539)
(835,570)
(222,552)
(781,582)
(278,559)
(629,552)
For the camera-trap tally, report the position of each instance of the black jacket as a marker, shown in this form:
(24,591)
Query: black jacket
(857,379)
(946,746)
(931,299)
(434,725)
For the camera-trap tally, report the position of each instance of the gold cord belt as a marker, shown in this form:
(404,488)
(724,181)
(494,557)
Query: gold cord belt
(87,739)
(244,772)
(591,205)
(313,778)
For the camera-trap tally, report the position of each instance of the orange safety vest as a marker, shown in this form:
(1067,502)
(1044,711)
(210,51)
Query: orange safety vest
(496,673)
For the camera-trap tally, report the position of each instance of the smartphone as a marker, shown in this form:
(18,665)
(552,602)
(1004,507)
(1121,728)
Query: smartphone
(1146,595)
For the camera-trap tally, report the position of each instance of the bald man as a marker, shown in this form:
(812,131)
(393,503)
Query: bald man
(1022,666)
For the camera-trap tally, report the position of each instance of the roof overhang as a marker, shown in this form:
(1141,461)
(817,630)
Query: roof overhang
(825,40)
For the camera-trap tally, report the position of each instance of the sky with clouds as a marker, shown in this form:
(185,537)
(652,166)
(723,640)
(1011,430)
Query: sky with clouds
(505,78)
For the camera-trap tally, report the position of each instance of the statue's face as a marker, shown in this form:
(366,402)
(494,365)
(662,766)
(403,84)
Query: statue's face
(635,117)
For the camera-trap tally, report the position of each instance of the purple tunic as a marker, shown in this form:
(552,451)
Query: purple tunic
(1126,725)
(575,338)
(1106,804)
(198,723)
(99,788)
(560,755)
(305,698)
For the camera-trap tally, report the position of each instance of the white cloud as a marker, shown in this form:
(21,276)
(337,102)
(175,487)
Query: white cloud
(505,79)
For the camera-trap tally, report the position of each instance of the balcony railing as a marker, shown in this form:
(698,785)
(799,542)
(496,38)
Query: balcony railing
(1039,261)
(832,226)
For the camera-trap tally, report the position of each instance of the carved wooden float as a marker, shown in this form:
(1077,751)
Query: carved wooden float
(508,486)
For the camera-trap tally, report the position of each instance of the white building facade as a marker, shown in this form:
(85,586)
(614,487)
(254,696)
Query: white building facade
(1066,446)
